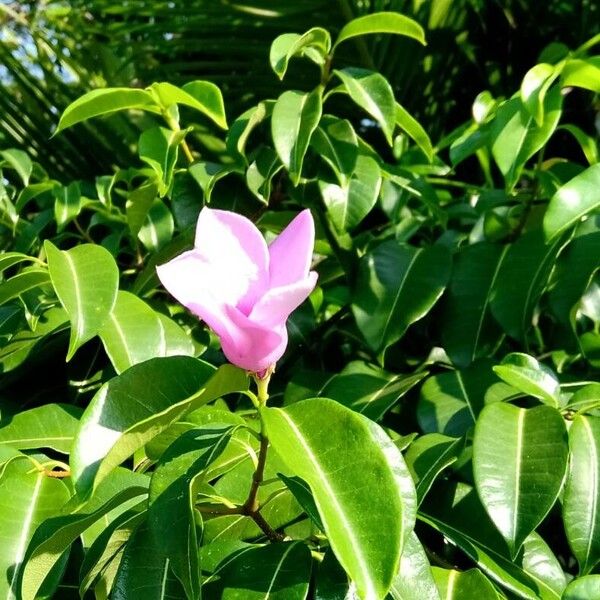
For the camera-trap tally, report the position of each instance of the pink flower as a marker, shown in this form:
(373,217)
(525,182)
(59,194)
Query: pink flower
(243,289)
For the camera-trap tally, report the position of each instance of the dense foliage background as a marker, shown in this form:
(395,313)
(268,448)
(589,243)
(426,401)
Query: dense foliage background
(456,190)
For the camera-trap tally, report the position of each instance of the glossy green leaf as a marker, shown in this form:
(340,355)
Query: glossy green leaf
(456,585)
(372,92)
(516,138)
(85,279)
(171,511)
(583,588)
(468,328)
(581,506)
(529,376)
(131,409)
(349,205)
(134,332)
(19,284)
(367,389)
(382,22)
(583,73)
(572,201)
(245,124)
(532,444)
(295,117)
(67,203)
(207,174)
(105,101)
(260,173)
(313,44)
(414,580)
(145,569)
(19,161)
(158,227)
(343,456)
(414,130)
(457,513)
(586,142)
(138,204)
(534,87)
(159,147)
(274,571)
(49,426)
(54,536)
(428,456)
(9,259)
(521,279)
(27,498)
(302,492)
(396,286)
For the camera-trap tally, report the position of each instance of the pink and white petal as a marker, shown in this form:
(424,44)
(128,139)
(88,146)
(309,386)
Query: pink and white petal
(234,246)
(196,285)
(263,346)
(291,251)
(278,303)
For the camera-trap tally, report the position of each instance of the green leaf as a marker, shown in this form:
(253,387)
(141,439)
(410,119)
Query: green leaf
(21,283)
(19,161)
(159,147)
(381,22)
(203,96)
(468,328)
(173,491)
(583,73)
(133,408)
(581,506)
(396,286)
(343,457)
(295,117)
(587,143)
(534,87)
(55,535)
(583,588)
(301,491)
(260,173)
(456,585)
(158,227)
(145,566)
(534,455)
(414,130)
(138,204)
(27,498)
(516,138)
(274,571)
(134,332)
(105,101)
(67,203)
(367,389)
(49,426)
(572,201)
(456,512)
(9,259)
(244,125)
(86,280)
(450,402)
(207,174)
(415,579)
(373,93)
(349,205)
(520,281)
(313,44)
(428,456)
(336,142)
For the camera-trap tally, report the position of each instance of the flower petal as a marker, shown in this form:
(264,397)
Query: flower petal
(277,304)
(260,348)
(234,247)
(291,251)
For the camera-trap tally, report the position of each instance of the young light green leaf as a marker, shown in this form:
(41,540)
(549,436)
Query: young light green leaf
(105,101)
(313,44)
(260,173)
(583,588)
(158,227)
(159,148)
(27,498)
(531,377)
(340,455)
(534,86)
(22,282)
(207,174)
(587,143)
(19,161)
(295,117)
(572,201)
(86,280)
(134,333)
(456,585)
(133,408)
(138,204)
(396,286)
(48,426)
(581,506)
(381,22)
(532,444)
(414,130)
(583,73)
(67,204)
(373,93)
